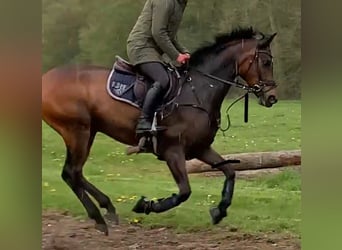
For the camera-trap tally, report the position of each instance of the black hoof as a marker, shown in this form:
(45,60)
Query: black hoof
(102,228)
(112,218)
(216,215)
(141,206)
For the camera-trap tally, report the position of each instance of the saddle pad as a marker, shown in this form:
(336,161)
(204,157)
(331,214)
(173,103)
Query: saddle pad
(131,88)
(120,86)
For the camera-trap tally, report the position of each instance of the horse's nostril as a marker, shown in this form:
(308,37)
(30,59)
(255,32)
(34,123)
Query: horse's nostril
(272,100)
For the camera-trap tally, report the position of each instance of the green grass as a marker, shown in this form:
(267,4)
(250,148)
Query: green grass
(268,203)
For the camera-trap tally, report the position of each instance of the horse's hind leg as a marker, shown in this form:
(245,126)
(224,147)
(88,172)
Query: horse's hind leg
(176,161)
(103,200)
(77,152)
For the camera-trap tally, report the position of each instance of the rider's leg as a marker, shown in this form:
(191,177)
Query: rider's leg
(157,72)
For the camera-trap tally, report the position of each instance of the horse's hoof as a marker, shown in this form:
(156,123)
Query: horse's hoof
(102,228)
(112,218)
(141,206)
(216,215)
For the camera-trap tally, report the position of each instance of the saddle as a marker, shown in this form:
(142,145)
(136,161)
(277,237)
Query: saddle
(127,85)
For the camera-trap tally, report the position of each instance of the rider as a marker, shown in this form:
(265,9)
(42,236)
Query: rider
(154,35)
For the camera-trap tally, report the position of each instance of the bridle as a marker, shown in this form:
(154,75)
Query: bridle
(259,86)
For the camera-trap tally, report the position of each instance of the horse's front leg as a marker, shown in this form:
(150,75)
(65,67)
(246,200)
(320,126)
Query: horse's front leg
(176,161)
(211,157)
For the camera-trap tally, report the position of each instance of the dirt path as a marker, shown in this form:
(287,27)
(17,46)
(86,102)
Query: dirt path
(61,232)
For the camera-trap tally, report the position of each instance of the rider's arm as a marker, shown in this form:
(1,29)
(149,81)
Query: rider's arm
(161,12)
(179,46)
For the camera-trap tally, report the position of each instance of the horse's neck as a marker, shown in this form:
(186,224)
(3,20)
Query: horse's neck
(209,92)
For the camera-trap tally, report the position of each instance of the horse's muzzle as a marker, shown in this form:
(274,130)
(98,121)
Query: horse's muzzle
(267,101)
(270,101)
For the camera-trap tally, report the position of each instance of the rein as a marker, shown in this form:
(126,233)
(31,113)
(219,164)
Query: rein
(231,83)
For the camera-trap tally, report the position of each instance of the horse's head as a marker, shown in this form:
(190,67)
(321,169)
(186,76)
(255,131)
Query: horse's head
(255,65)
(242,52)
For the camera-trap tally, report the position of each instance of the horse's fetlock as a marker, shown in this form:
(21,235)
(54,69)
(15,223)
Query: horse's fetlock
(184,196)
(104,202)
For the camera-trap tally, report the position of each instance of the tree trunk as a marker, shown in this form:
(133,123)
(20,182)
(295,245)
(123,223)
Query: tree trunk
(252,161)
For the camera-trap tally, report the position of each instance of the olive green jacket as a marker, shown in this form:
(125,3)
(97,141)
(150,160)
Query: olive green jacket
(155,32)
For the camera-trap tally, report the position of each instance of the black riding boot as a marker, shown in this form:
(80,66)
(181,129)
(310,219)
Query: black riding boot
(152,100)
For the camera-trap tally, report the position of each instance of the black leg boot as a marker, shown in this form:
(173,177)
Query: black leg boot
(153,98)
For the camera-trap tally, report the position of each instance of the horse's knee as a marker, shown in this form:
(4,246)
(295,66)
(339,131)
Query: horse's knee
(184,196)
(231,173)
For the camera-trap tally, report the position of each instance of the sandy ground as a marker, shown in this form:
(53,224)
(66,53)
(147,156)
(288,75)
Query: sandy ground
(61,231)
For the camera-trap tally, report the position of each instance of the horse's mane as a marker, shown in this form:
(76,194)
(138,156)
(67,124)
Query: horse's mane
(219,44)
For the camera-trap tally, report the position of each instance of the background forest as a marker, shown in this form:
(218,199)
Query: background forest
(93,32)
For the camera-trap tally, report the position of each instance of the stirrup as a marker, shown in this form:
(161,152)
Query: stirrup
(143,131)
(148,139)
(143,126)
(152,131)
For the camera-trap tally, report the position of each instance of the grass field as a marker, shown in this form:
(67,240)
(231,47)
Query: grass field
(269,203)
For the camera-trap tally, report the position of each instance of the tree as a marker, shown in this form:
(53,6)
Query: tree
(61,23)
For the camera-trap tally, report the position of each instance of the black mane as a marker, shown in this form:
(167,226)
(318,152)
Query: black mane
(221,40)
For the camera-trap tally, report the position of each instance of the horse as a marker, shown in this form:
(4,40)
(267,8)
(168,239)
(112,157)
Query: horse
(76,105)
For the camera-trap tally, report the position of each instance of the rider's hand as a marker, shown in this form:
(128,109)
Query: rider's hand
(183,58)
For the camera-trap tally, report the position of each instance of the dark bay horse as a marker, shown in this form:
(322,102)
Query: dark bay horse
(75,104)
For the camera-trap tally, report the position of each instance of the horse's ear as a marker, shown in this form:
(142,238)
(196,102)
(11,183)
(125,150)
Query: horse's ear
(267,41)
